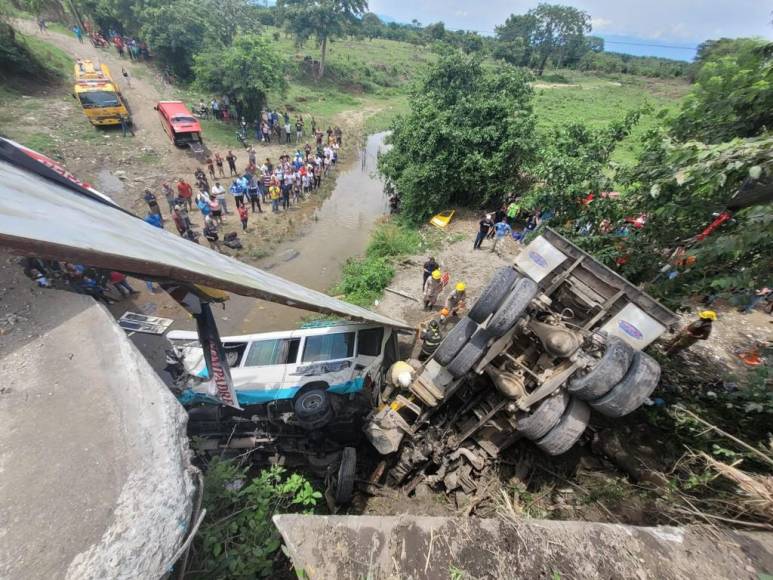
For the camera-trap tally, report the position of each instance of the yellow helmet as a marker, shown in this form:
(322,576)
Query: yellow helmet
(460,287)
(436,274)
(707,315)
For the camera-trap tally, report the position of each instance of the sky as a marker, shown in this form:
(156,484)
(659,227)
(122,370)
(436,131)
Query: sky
(668,28)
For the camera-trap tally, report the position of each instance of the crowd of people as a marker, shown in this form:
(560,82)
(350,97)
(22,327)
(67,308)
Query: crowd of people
(215,196)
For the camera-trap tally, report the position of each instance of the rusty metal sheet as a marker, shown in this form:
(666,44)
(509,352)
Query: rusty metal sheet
(46,213)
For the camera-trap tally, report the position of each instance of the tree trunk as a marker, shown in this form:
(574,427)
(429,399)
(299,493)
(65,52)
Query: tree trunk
(543,61)
(322,58)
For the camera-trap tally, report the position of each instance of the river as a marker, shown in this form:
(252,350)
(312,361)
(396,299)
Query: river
(339,229)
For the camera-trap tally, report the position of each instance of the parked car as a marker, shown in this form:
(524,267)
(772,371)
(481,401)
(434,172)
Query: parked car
(549,340)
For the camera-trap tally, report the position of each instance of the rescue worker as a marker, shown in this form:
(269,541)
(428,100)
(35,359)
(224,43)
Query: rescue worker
(432,288)
(455,300)
(692,333)
(430,340)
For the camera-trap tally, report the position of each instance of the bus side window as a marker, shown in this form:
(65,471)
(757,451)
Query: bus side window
(369,341)
(328,347)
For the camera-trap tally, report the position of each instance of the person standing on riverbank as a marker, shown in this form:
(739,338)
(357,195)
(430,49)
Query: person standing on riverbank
(429,266)
(485,225)
(432,288)
(243,217)
(231,158)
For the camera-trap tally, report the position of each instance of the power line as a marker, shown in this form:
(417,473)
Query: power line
(650,45)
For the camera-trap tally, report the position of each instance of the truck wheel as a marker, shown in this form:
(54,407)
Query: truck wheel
(344,486)
(312,409)
(548,413)
(455,340)
(605,374)
(629,394)
(570,428)
(470,353)
(492,296)
(513,307)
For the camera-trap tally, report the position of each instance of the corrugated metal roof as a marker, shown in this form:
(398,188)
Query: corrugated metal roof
(42,217)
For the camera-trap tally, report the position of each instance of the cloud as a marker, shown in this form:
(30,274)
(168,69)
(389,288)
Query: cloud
(599,23)
(462,13)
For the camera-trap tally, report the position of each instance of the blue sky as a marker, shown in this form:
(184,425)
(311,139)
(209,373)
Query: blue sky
(665,26)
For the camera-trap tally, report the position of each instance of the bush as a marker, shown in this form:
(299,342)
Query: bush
(238,538)
(392,240)
(364,280)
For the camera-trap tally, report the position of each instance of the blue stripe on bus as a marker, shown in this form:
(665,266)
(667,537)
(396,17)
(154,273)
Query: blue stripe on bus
(255,397)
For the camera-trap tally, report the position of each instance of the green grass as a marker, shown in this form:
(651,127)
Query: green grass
(599,100)
(364,279)
(58,62)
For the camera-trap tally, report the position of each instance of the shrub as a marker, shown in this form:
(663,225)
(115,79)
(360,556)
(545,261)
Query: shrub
(238,538)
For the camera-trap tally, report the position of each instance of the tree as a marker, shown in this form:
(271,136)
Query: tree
(175,33)
(372,26)
(229,18)
(245,71)
(570,163)
(557,29)
(514,39)
(469,133)
(323,19)
(732,95)
(435,32)
(682,187)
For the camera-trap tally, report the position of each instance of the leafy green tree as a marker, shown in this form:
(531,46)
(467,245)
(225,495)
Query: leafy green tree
(229,18)
(514,39)
(681,187)
(732,95)
(435,32)
(571,163)
(372,26)
(322,19)
(558,31)
(469,133)
(176,32)
(245,71)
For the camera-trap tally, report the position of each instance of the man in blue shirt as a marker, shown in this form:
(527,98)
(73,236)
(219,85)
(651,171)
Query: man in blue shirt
(501,231)
(237,190)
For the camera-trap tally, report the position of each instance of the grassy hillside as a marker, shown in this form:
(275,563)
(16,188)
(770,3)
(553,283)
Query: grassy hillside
(369,78)
(600,99)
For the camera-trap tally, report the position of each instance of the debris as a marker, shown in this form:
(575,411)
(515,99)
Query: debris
(403,294)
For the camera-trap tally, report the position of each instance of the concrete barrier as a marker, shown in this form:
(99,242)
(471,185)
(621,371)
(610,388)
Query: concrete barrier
(95,476)
(413,547)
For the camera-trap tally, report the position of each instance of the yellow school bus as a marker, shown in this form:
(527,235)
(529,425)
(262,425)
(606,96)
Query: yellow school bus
(98,94)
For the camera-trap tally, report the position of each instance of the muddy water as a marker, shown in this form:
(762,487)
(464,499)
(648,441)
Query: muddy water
(339,229)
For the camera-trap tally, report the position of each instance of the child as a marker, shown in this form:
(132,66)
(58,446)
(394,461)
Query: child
(243,215)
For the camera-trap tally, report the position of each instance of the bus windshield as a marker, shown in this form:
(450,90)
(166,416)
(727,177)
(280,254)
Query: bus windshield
(98,99)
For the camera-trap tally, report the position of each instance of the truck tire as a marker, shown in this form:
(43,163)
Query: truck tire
(470,353)
(455,340)
(513,307)
(494,293)
(570,428)
(605,374)
(629,394)
(548,413)
(312,409)
(344,487)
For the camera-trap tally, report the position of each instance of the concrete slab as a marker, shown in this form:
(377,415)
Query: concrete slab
(95,477)
(408,547)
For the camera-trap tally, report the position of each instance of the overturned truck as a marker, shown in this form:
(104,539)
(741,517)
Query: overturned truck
(549,340)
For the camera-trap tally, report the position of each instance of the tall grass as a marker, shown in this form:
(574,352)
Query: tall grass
(364,279)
